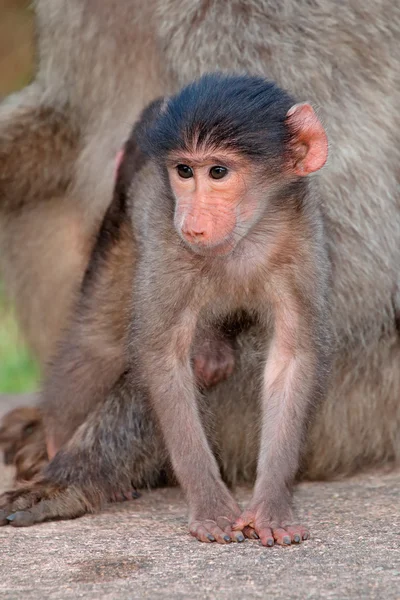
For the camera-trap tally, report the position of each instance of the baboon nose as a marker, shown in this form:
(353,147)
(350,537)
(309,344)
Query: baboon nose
(195,233)
(195,236)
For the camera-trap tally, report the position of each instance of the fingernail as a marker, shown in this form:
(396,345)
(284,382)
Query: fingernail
(286,540)
(240,538)
(305,536)
(211,537)
(254,535)
(270,542)
(296,538)
(11,517)
(227,538)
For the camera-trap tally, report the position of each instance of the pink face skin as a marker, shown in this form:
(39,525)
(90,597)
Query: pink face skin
(209,206)
(212,211)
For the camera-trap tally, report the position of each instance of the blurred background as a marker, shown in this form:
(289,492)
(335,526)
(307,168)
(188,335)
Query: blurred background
(18,371)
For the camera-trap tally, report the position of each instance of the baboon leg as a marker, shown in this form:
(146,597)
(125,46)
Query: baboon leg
(22,440)
(116,450)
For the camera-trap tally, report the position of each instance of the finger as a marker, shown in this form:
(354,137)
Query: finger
(250,533)
(281,536)
(266,536)
(222,536)
(305,534)
(242,522)
(296,533)
(237,536)
(234,536)
(201,534)
(210,533)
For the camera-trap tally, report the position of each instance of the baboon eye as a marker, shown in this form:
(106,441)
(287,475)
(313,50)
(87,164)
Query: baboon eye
(184,171)
(218,172)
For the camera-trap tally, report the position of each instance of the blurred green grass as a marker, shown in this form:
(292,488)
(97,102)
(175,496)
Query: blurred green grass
(16,44)
(18,370)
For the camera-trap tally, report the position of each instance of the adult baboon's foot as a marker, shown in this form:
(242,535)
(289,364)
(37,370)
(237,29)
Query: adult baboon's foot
(22,440)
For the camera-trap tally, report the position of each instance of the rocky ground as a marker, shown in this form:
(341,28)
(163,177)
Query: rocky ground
(141,549)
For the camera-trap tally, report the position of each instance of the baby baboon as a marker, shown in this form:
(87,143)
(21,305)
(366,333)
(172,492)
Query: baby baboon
(81,104)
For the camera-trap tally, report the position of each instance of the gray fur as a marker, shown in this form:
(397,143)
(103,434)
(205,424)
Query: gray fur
(101,62)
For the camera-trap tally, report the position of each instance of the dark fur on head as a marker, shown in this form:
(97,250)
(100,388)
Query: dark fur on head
(240,113)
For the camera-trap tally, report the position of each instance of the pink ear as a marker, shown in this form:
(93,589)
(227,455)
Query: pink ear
(118,161)
(308,142)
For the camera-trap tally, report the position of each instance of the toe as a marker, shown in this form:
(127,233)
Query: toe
(21,518)
(3,517)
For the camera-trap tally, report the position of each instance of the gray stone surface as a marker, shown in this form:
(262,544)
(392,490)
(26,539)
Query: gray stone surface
(141,549)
